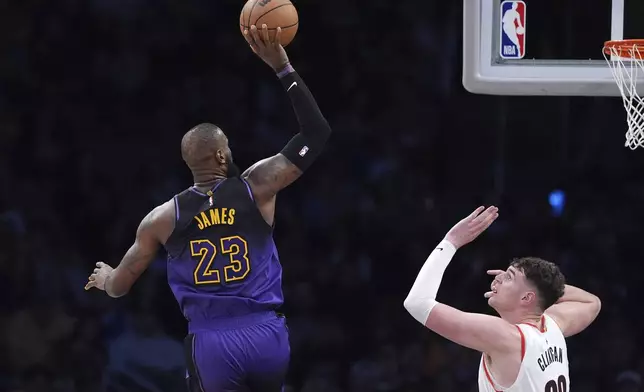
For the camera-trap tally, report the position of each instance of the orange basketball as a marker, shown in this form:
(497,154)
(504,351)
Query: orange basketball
(272,13)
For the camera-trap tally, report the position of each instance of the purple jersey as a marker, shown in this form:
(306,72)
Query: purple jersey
(222,260)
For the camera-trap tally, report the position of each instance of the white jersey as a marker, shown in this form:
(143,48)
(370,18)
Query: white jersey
(545,362)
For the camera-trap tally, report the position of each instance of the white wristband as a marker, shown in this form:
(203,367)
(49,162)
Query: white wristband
(422,297)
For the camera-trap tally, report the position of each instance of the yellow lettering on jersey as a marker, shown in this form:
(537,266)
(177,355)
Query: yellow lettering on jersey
(206,222)
(200,224)
(215,216)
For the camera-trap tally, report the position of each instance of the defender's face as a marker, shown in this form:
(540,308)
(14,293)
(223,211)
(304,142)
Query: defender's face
(508,290)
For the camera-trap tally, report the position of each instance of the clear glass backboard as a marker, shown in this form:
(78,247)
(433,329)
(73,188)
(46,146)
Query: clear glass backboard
(545,47)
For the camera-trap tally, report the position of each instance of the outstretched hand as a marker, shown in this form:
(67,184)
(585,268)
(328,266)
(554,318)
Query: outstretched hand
(495,274)
(472,226)
(99,276)
(268,48)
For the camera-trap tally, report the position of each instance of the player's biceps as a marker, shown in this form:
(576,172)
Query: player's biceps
(452,325)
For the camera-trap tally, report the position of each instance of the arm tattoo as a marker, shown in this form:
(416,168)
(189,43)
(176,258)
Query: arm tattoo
(271,175)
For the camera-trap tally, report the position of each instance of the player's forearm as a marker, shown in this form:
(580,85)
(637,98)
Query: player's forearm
(575,311)
(312,122)
(314,128)
(115,288)
(422,297)
(575,294)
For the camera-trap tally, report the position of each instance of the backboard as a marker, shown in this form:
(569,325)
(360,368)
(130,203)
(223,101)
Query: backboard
(555,46)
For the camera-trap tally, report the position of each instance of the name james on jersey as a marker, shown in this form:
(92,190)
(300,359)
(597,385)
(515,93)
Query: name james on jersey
(215,216)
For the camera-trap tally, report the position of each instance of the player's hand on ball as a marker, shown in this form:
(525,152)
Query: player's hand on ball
(99,276)
(266,47)
(472,226)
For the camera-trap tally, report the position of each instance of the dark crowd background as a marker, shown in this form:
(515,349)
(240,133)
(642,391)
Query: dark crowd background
(96,96)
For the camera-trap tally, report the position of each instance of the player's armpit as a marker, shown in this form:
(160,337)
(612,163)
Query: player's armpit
(487,334)
(271,175)
(575,311)
(153,229)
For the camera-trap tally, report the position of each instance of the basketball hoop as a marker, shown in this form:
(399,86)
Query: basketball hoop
(626,61)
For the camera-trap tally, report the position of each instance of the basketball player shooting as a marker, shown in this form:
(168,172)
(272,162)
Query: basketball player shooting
(223,267)
(524,350)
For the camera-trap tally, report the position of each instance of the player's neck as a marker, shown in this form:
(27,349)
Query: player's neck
(207,180)
(521,317)
(534,319)
(207,177)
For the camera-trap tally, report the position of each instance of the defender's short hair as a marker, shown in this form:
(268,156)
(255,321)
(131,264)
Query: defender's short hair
(546,277)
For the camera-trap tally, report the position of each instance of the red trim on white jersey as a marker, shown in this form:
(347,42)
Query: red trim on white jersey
(487,372)
(543,324)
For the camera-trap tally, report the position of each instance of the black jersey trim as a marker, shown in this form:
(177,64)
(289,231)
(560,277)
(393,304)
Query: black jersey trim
(212,190)
(194,381)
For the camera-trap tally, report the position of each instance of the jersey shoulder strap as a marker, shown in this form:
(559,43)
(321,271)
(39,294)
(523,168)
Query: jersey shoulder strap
(183,203)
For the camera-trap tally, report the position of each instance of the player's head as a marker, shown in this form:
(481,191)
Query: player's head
(529,285)
(205,148)
(515,5)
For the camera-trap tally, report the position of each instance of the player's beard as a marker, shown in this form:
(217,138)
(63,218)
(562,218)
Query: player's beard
(232,169)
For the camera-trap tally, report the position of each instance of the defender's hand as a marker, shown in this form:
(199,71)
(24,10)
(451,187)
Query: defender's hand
(496,274)
(471,227)
(269,50)
(99,276)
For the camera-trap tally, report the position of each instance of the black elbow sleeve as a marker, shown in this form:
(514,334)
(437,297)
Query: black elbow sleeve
(307,145)
(302,150)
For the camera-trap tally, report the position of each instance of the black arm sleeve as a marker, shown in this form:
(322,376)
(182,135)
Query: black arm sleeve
(307,145)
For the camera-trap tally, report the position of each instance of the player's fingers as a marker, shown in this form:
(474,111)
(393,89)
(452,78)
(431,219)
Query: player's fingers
(265,37)
(89,285)
(475,213)
(485,215)
(257,40)
(278,37)
(249,38)
(492,219)
(495,272)
(96,270)
(100,264)
(485,223)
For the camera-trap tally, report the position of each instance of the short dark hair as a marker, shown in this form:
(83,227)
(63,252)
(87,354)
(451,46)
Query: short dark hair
(546,276)
(200,142)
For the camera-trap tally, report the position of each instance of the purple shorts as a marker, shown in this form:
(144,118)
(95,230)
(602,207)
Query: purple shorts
(249,353)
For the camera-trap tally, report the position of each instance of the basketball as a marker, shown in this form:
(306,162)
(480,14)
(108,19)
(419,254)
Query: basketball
(272,13)
(520,30)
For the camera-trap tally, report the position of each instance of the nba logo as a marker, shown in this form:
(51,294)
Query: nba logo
(512,30)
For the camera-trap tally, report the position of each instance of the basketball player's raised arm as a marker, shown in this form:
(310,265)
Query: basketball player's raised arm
(154,228)
(575,311)
(270,175)
(476,331)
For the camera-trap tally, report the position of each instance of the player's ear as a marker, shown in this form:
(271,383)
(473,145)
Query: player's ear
(529,297)
(221,157)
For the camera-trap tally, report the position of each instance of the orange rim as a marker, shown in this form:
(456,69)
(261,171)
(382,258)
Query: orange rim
(626,48)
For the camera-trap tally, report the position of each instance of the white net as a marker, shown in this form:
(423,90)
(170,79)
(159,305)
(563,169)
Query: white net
(626,70)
